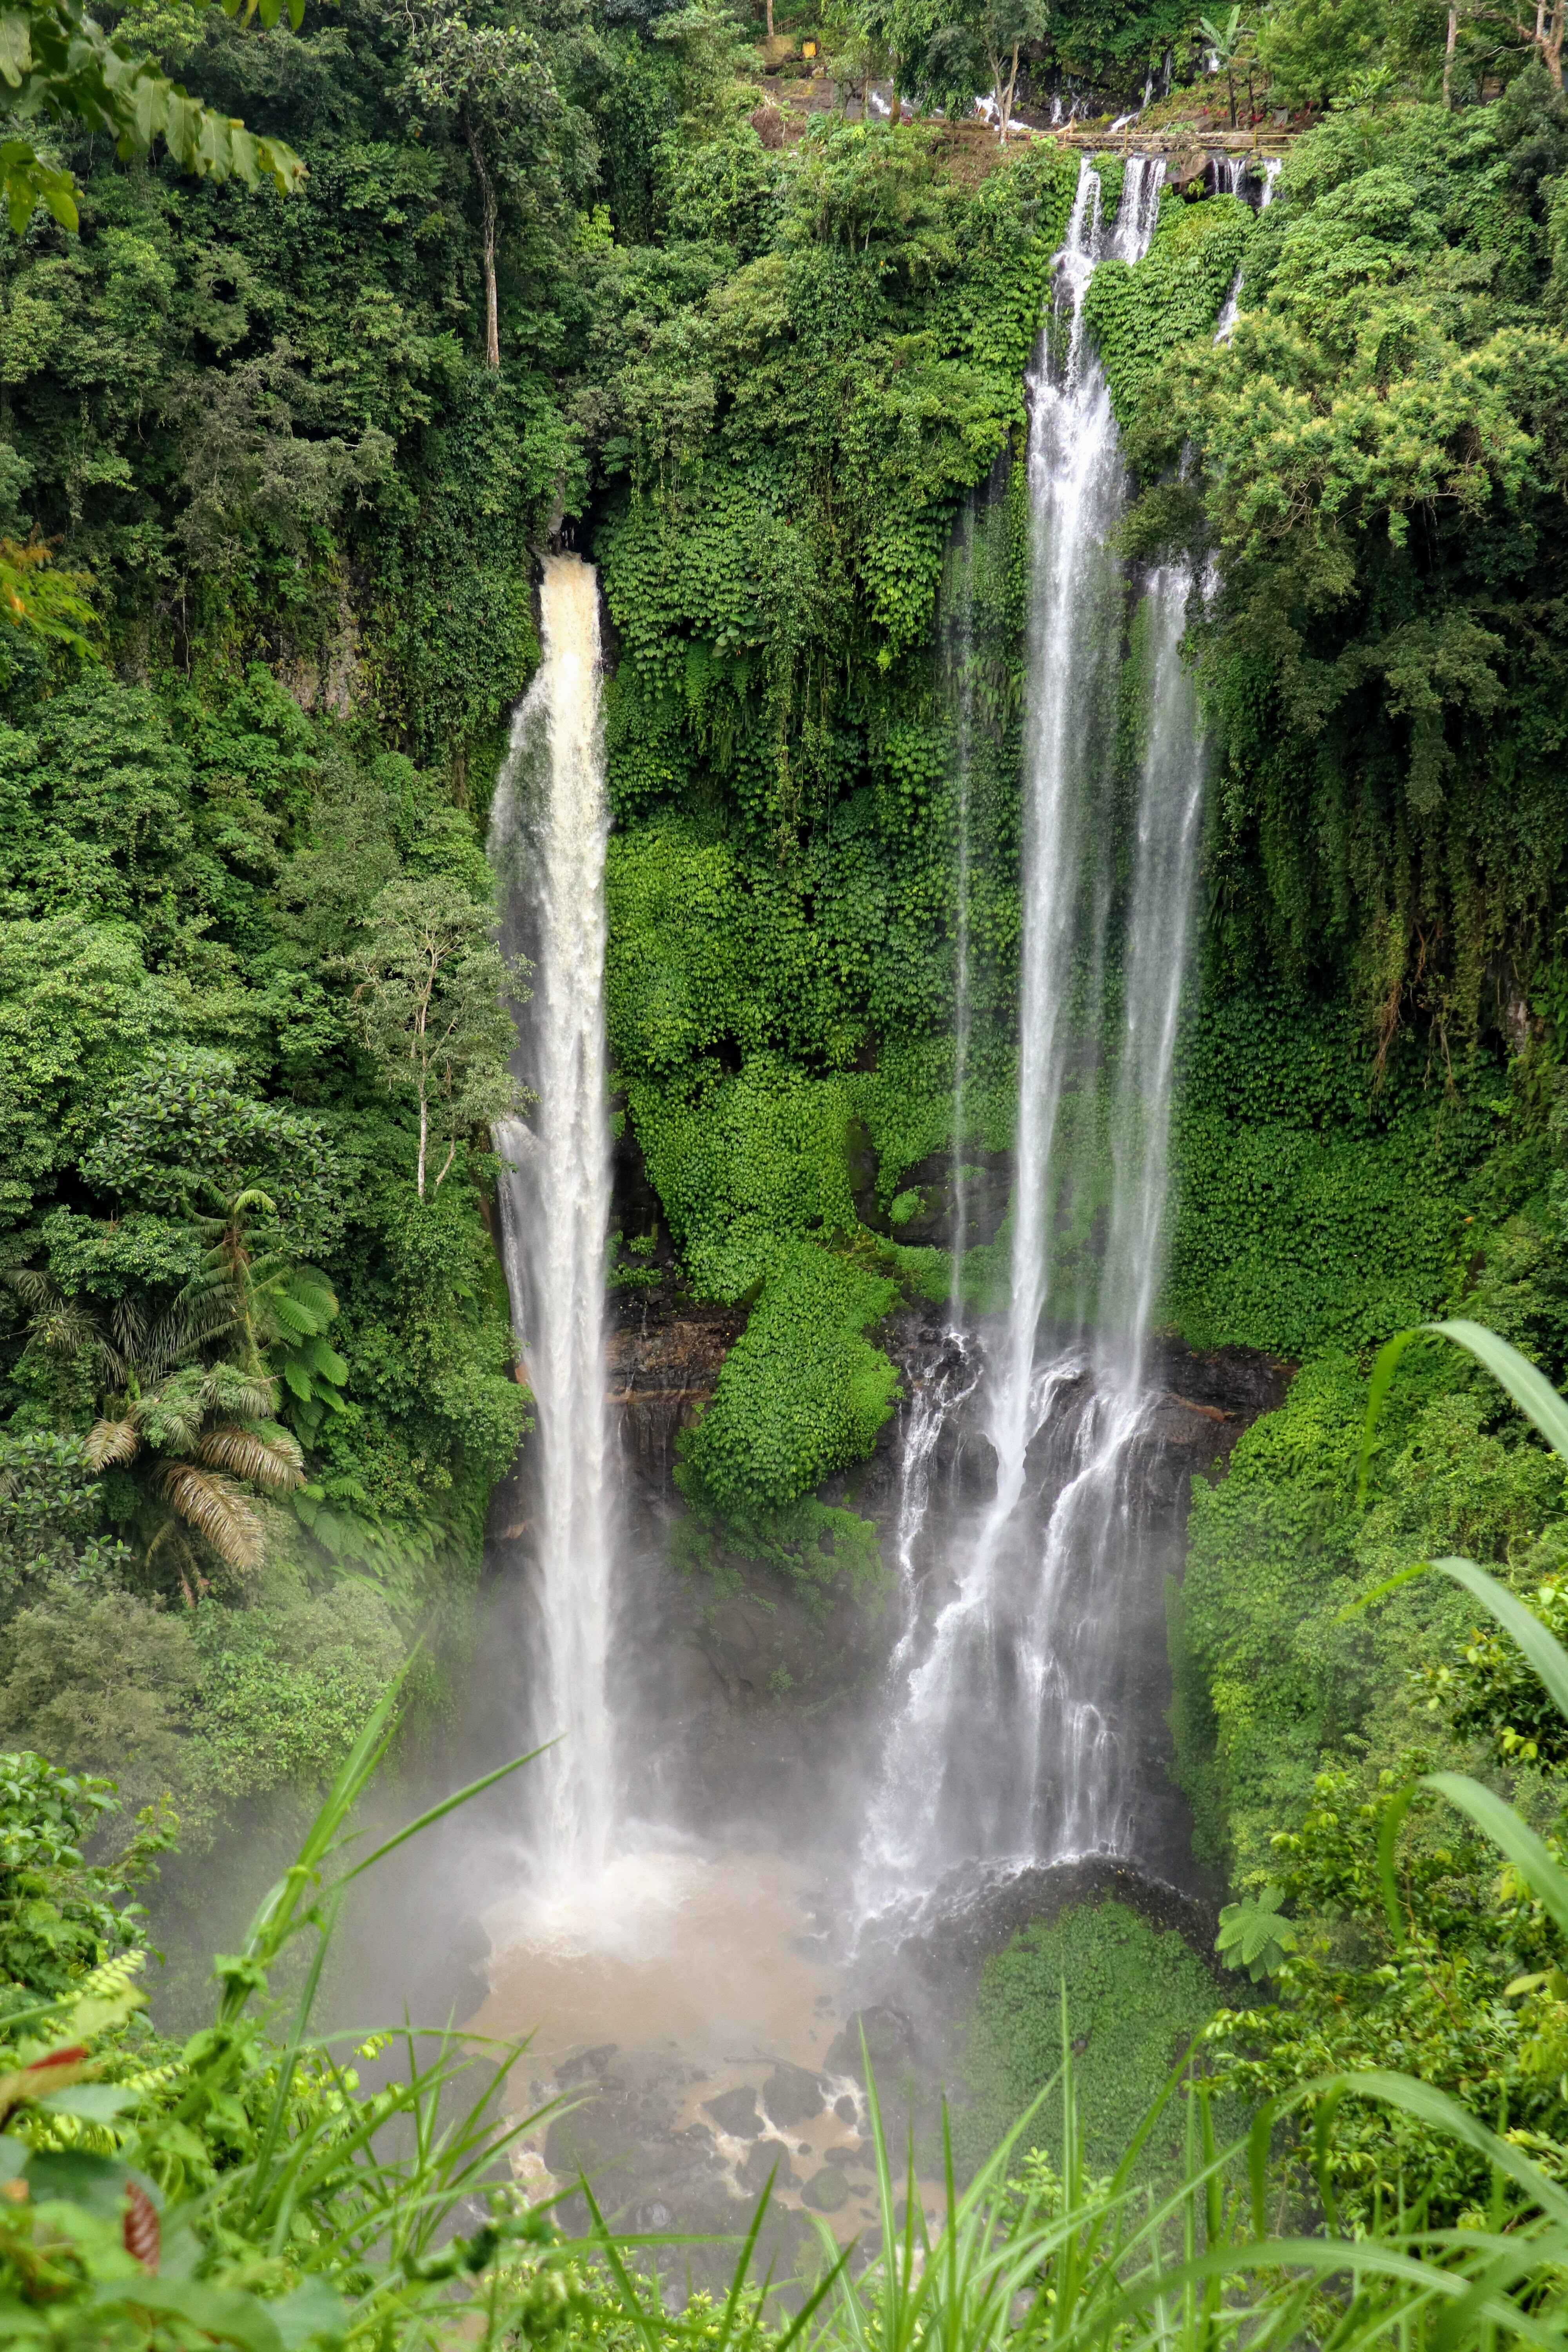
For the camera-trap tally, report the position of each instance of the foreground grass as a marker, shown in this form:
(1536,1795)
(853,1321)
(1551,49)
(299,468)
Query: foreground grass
(245,2190)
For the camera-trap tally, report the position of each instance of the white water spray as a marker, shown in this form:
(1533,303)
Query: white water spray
(548,832)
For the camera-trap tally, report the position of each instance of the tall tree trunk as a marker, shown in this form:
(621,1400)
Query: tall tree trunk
(1552,48)
(1004,111)
(492,314)
(770,9)
(1449,56)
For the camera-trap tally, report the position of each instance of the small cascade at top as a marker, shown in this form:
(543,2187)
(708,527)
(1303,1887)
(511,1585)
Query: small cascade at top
(1235,170)
(548,833)
(1010,1740)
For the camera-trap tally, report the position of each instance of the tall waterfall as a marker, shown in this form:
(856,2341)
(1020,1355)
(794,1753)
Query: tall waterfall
(964,748)
(548,832)
(1011,1738)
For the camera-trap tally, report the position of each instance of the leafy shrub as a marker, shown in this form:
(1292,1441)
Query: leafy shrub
(801,1393)
(1135,1997)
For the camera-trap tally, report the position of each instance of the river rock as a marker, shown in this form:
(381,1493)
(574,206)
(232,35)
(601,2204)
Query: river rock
(762,2158)
(845,2108)
(735,2112)
(890,2041)
(792,2094)
(826,2190)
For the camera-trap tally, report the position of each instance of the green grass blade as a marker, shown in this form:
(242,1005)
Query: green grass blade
(1257,2144)
(438,1813)
(1447,2115)
(1511,1835)
(1382,1381)
(1528,1386)
(1388,1831)
(1544,1653)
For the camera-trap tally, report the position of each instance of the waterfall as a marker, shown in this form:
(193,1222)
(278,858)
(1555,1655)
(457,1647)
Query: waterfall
(1076,491)
(1078,1663)
(1234,172)
(548,832)
(962,659)
(1010,1742)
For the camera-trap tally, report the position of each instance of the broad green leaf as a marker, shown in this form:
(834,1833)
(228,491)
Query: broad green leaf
(15,47)
(96,2103)
(312,2314)
(223,2313)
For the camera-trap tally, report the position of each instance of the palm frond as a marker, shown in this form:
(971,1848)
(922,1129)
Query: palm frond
(110,1442)
(128,1322)
(243,1396)
(33,1286)
(268,1458)
(67,1330)
(312,1291)
(219,1509)
(325,1359)
(173,1415)
(177,1335)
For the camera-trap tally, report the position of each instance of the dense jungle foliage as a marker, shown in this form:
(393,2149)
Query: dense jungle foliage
(274,461)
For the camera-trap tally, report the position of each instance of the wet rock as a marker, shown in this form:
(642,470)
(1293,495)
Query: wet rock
(660,1371)
(826,2190)
(734,2111)
(845,2108)
(762,2158)
(890,2041)
(792,2095)
(931,1193)
(587,2066)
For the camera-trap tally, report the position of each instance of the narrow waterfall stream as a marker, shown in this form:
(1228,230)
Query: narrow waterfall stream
(696,1967)
(1010,1740)
(548,832)
(1235,170)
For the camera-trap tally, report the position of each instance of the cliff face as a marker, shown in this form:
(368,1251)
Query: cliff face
(758,1694)
(663,1368)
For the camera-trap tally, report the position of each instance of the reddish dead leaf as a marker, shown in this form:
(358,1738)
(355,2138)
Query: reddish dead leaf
(73,2056)
(141,2231)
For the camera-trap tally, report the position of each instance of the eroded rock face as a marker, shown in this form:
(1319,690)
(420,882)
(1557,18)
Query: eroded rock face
(758,1694)
(662,1368)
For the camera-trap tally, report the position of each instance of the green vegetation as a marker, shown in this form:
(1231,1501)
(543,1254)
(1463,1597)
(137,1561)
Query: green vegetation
(1131,1999)
(246,1366)
(235,2189)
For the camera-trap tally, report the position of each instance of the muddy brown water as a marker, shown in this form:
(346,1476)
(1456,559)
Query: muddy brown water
(680,2020)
